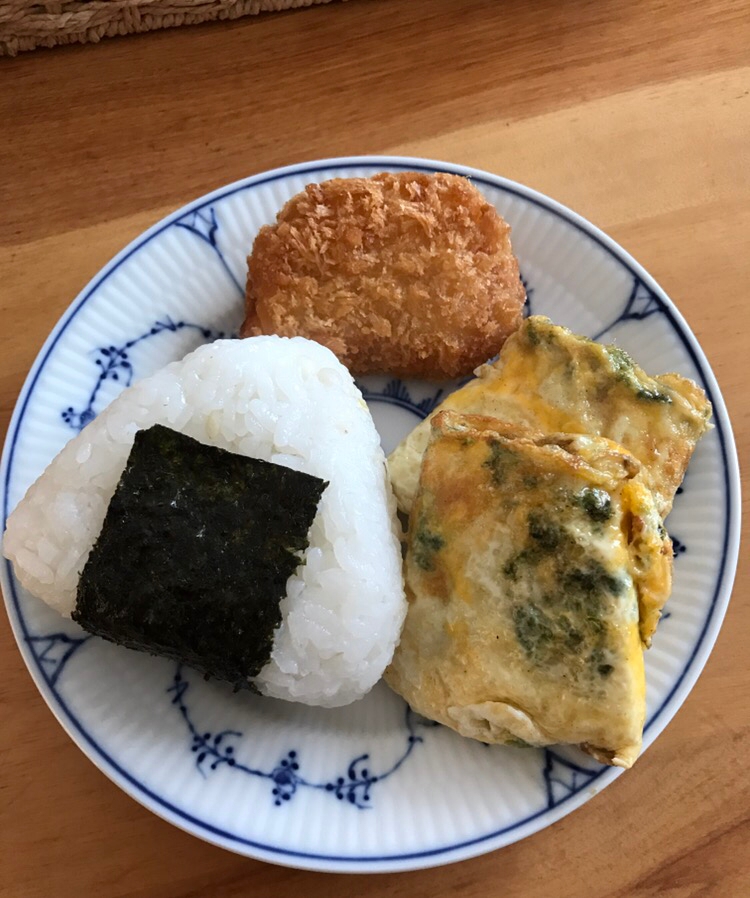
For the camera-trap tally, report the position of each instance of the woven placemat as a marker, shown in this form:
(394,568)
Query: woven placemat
(25,25)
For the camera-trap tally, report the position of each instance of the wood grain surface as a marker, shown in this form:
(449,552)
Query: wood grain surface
(636,114)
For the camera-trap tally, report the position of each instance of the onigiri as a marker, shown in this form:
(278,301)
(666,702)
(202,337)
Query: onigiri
(285,401)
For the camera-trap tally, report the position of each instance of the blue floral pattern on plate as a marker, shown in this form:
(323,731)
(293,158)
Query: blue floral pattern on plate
(355,785)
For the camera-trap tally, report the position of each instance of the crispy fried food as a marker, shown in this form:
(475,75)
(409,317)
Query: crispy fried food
(411,274)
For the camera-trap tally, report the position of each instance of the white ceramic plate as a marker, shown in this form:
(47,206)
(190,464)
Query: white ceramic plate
(369,787)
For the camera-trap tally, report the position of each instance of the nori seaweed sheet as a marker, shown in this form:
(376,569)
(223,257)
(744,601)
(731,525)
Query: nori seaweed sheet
(195,552)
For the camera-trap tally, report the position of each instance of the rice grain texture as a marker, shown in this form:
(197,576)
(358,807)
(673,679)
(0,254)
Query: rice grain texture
(288,401)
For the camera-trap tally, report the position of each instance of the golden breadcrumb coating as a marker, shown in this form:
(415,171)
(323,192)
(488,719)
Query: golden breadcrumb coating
(411,274)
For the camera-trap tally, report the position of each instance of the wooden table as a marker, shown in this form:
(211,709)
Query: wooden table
(635,114)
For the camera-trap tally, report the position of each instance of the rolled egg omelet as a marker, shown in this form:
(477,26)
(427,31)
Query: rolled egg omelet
(525,557)
(555,381)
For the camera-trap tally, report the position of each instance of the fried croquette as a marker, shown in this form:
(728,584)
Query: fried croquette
(410,274)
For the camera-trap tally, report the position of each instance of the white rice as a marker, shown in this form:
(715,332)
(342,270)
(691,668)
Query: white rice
(288,401)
